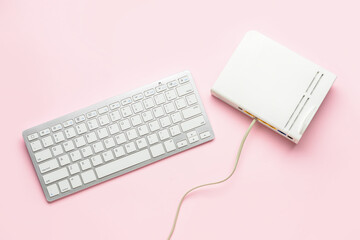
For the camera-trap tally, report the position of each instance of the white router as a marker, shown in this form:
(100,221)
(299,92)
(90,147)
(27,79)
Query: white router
(267,81)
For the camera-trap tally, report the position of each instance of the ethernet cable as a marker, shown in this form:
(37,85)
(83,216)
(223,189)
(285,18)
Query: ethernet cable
(212,183)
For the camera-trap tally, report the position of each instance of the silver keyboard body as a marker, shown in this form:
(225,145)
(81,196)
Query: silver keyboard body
(118,135)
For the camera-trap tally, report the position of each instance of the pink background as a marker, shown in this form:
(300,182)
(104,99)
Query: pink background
(60,56)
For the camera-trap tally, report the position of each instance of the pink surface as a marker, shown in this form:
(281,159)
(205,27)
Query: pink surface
(59,56)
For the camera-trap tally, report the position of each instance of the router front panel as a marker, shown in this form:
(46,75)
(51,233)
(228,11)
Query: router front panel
(268,81)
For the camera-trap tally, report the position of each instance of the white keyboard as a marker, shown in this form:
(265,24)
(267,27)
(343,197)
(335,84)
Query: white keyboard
(117,135)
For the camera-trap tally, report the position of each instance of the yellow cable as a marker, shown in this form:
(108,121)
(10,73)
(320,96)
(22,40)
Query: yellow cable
(213,183)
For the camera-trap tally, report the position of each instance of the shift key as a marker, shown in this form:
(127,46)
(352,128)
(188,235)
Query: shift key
(55,175)
(193,123)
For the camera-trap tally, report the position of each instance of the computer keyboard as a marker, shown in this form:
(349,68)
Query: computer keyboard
(118,135)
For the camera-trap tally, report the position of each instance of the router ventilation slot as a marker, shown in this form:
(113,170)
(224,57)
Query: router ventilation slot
(298,114)
(316,84)
(317,77)
(295,110)
(317,73)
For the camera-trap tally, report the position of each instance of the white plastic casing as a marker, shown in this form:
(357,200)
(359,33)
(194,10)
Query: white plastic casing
(270,82)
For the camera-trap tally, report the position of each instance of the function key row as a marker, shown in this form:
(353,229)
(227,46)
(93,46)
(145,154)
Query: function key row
(181,91)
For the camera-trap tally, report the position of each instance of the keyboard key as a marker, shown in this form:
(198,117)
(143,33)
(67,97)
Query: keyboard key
(56,128)
(119,151)
(205,134)
(147,116)
(59,137)
(122,163)
(176,117)
(92,124)
(141,143)
(33,136)
(91,137)
(191,111)
(193,123)
(120,139)
(44,132)
(158,112)
(103,120)
(131,134)
(115,115)
(80,141)
(148,103)
(47,141)
(114,105)
(55,175)
(164,134)
(169,108)
(184,79)
(75,181)
(125,124)
(182,143)
(172,84)
(64,185)
(68,146)
(68,123)
(136,120)
(53,190)
(43,155)
(174,130)
(48,165)
(137,107)
(143,130)
(193,139)
(109,142)
(88,176)
(96,160)
(57,150)
(114,128)
(103,110)
(126,101)
(191,134)
(184,89)
(74,168)
(170,95)
(36,145)
(191,99)
(80,118)
(165,121)
(130,147)
(149,92)
(70,132)
(152,139)
(126,111)
(107,156)
(138,96)
(75,155)
(86,151)
(98,147)
(169,145)
(64,160)
(161,88)
(180,103)
(157,150)
(159,99)
(91,114)
(81,128)
(85,164)
(102,133)
(154,126)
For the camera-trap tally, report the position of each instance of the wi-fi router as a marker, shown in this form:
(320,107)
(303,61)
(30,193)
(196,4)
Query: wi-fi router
(267,81)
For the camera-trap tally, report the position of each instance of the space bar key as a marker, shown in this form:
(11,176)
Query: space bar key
(123,163)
